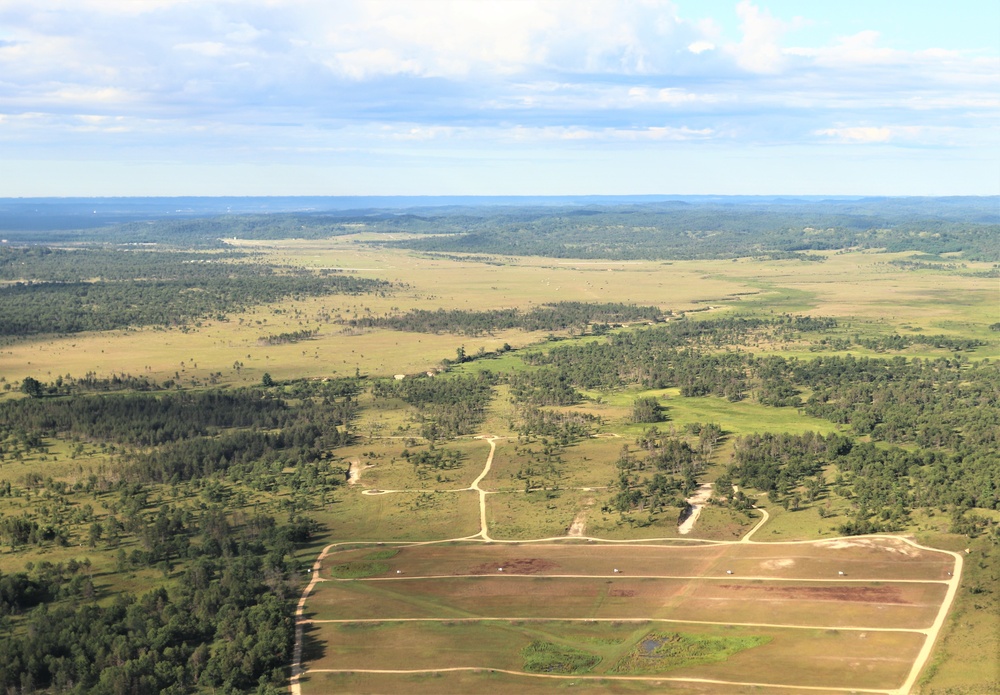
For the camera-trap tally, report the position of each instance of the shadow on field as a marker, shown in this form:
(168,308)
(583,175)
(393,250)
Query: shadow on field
(313,648)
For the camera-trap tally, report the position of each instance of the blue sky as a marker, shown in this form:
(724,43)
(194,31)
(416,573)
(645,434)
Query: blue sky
(493,97)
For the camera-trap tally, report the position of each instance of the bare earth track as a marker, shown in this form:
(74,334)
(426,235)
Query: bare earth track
(768,577)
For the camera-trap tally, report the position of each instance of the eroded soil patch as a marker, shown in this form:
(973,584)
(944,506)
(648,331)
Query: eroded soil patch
(857,594)
(522,565)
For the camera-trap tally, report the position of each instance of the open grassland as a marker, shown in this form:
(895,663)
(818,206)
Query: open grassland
(861,559)
(861,289)
(540,513)
(966,657)
(588,463)
(805,522)
(488,681)
(845,659)
(381,465)
(743,417)
(500,595)
(404,516)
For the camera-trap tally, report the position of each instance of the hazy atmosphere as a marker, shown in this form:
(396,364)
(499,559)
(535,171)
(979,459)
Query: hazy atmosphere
(308,97)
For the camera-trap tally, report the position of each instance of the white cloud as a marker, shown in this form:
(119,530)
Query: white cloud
(571,133)
(449,38)
(364,63)
(238,76)
(88,95)
(759,50)
(671,96)
(211,49)
(873,134)
(532,134)
(857,49)
(858,134)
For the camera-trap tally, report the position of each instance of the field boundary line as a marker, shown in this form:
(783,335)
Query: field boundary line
(935,631)
(676,679)
(778,626)
(620,575)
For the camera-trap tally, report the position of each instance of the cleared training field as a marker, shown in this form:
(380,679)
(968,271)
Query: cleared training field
(869,559)
(476,681)
(829,604)
(487,681)
(778,656)
(841,614)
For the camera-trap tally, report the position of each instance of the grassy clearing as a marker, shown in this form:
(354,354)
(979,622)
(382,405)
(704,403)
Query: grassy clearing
(536,514)
(382,465)
(868,559)
(403,516)
(743,417)
(371,565)
(847,658)
(358,570)
(587,463)
(464,682)
(498,596)
(806,522)
(966,657)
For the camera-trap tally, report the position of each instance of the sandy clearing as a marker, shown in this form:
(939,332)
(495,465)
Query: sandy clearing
(697,501)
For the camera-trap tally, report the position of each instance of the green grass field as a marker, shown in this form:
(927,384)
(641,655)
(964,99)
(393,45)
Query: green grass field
(848,658)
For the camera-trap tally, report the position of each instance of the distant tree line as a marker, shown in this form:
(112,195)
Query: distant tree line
(287,338)
(549,317)
(690,231)
(688,228)
(144,292)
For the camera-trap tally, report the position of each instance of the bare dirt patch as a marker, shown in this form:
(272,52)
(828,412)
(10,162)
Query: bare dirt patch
(855,594)
(579,525)
(625,593)
(355,469)
(888,545)
(521,565)
(695,502)
(779,564)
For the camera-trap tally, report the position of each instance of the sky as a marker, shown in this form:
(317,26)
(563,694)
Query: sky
(499,97)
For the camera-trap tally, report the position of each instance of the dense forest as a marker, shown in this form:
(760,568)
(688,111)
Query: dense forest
(226,627)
